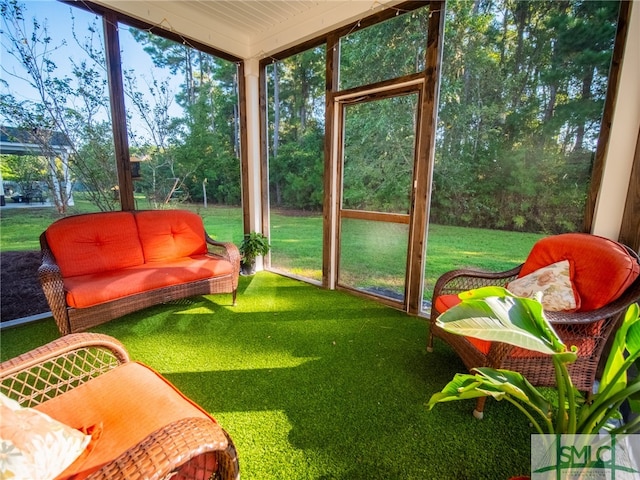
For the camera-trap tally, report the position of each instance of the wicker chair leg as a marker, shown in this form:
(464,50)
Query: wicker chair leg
(430,342)
(478,412)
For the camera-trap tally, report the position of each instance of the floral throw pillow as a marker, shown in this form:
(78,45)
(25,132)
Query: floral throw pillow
(554,281)
(34,445)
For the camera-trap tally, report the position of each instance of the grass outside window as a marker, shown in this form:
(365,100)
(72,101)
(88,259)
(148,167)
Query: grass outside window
(297,250)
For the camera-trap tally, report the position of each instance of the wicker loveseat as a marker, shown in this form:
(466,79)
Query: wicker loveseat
(132,422)
(100,266)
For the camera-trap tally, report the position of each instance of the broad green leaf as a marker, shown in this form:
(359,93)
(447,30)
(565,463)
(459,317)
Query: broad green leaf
(627,338)
(494,314)
(516,385)
(634,398)
(463,386)
(633,336)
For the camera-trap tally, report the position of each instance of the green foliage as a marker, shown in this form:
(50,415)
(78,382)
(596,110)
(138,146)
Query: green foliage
(253,245)
(178,153)
(71,104)
(201,148)
(384,51)
(522,91)
(377,175)
(494,314)
(296,173)
(296,126)
(24,170)
(521,94)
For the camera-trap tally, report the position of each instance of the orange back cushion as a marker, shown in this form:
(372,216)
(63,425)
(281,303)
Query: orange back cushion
(170,234)
(95,242)
(603,269)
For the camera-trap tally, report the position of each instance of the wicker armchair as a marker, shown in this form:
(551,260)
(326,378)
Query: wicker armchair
(187,448)
(588,330)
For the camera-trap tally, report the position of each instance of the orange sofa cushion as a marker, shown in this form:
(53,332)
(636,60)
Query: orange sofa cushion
(169,234)
(121,407)
(87,290)
(91,243)
(602,268)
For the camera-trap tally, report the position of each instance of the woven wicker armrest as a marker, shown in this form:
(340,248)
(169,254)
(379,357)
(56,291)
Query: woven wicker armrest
(50,278)
(456,281)
(173,446)
(59,366)
(613,309)
(227,250)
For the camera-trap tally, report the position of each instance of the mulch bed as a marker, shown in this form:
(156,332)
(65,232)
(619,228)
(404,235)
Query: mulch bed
(20,291)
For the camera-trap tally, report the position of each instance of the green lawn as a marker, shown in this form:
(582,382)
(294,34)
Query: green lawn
(370,256)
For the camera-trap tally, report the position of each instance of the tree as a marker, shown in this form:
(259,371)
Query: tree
(203,145)
(75,105)
(522,92)
(296,126)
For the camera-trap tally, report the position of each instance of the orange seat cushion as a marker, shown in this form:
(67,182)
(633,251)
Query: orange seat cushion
(602,268)
(88,290)
(444,303)
(91,243)
(125,404)
(169,234)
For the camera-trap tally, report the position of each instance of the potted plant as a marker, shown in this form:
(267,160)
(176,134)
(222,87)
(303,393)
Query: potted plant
(253,245)
(518,321)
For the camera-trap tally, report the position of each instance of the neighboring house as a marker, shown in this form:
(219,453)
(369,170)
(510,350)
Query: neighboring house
(52,145)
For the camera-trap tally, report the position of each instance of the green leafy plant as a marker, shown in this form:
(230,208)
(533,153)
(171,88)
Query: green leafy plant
(253,245)
(494,314)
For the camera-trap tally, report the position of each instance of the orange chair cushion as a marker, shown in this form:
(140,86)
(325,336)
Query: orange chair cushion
(169,234)
(125,405)
(91,243)
(602,268)
(87,290)
(444,303)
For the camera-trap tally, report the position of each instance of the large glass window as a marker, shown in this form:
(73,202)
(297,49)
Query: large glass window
(296,90)
(55,107)
(183,125)
(181,106)
(383,51)
(521,100)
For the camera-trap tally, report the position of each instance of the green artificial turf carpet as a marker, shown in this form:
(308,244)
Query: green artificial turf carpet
(316,384)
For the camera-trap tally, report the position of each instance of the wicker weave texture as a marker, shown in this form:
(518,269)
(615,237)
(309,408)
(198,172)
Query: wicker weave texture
(590,331)
(71,320)
(191,446)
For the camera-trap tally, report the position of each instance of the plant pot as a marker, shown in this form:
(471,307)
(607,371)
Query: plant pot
(247,269)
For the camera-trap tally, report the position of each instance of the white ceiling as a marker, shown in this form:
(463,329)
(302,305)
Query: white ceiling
(249,28)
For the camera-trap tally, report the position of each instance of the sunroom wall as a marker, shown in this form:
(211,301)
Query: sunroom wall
(625,131)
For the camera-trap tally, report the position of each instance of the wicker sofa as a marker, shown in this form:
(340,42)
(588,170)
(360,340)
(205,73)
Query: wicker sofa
(100,266)
(132,422)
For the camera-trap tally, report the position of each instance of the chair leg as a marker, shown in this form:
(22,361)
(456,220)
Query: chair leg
(430,342)
(478,412)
